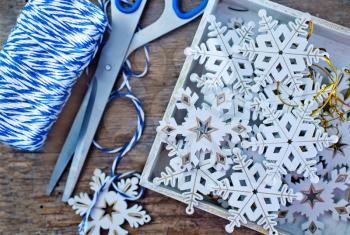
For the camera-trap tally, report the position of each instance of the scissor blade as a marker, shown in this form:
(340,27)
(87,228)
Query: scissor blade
(68,148)
(110,63)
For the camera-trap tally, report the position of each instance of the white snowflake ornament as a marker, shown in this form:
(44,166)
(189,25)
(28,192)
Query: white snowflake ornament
(251,196)
(319,200)
(202,128)
(194,183)
(224,67)
(110,210)
(289,141)
(281,53)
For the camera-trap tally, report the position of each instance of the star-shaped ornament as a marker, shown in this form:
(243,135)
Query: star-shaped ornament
(339,147)
(203,129)
(312,195)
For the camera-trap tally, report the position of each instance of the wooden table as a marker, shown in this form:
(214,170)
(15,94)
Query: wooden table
(24,207)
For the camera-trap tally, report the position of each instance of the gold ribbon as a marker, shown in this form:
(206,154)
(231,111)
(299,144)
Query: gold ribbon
(331,105)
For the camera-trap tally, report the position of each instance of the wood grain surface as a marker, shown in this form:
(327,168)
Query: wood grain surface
(24,207)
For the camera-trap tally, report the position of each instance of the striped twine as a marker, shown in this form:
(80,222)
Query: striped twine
(48,49)
(123,91)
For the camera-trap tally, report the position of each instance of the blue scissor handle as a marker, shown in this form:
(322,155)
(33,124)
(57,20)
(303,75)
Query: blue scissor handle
(130,9)
(191,13)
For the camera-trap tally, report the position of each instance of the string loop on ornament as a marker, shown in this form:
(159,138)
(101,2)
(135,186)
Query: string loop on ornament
(105,186)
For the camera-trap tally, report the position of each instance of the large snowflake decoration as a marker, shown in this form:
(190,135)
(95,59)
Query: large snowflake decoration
(194,182)
(319,200)
(224,67)
(111,209)
(290,141)
(252,196)
(281,53)
(198,157)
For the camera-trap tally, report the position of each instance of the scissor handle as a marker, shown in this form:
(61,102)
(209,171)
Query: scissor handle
(190,14)
(120,4)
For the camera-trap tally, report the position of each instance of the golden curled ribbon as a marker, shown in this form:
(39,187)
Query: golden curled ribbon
(332,102)
(311,29)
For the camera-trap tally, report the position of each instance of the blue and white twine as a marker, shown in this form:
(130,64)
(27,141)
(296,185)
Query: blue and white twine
(48,49)
(124,91)
(51,45)
(122,150)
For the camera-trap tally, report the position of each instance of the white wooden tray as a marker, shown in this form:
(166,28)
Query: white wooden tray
(326,35)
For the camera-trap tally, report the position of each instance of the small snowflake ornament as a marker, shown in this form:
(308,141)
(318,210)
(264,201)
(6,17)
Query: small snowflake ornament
(251,195)
(202,128)
(224,67)
(281,53)
(319,200)
(111,210)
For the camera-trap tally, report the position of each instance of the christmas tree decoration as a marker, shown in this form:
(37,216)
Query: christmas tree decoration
(202,128)
(196,147)
(336,155)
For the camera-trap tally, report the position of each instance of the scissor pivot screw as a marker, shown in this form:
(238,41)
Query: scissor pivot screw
(108,67)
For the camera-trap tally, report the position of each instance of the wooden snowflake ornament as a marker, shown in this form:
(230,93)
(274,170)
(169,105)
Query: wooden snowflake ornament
(203,129)
(290,141)
(110,209)
(225,67)
(252,195)
(281,53)
(195,181)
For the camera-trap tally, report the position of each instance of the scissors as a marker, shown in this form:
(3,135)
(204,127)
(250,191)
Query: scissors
(121,43)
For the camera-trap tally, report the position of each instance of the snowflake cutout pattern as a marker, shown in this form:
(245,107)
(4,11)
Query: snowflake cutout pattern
(230,107)
(318,200)
(251,195)
(194,182)
(202,128)
(111,209)
(289,141)
(224,67)
(280,52)
(282,97)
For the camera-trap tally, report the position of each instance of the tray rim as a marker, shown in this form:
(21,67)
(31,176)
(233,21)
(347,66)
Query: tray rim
(185,71)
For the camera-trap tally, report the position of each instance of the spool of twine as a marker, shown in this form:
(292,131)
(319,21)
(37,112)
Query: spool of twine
(46,52)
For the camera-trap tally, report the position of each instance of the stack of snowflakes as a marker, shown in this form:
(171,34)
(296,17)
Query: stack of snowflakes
(244,131)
